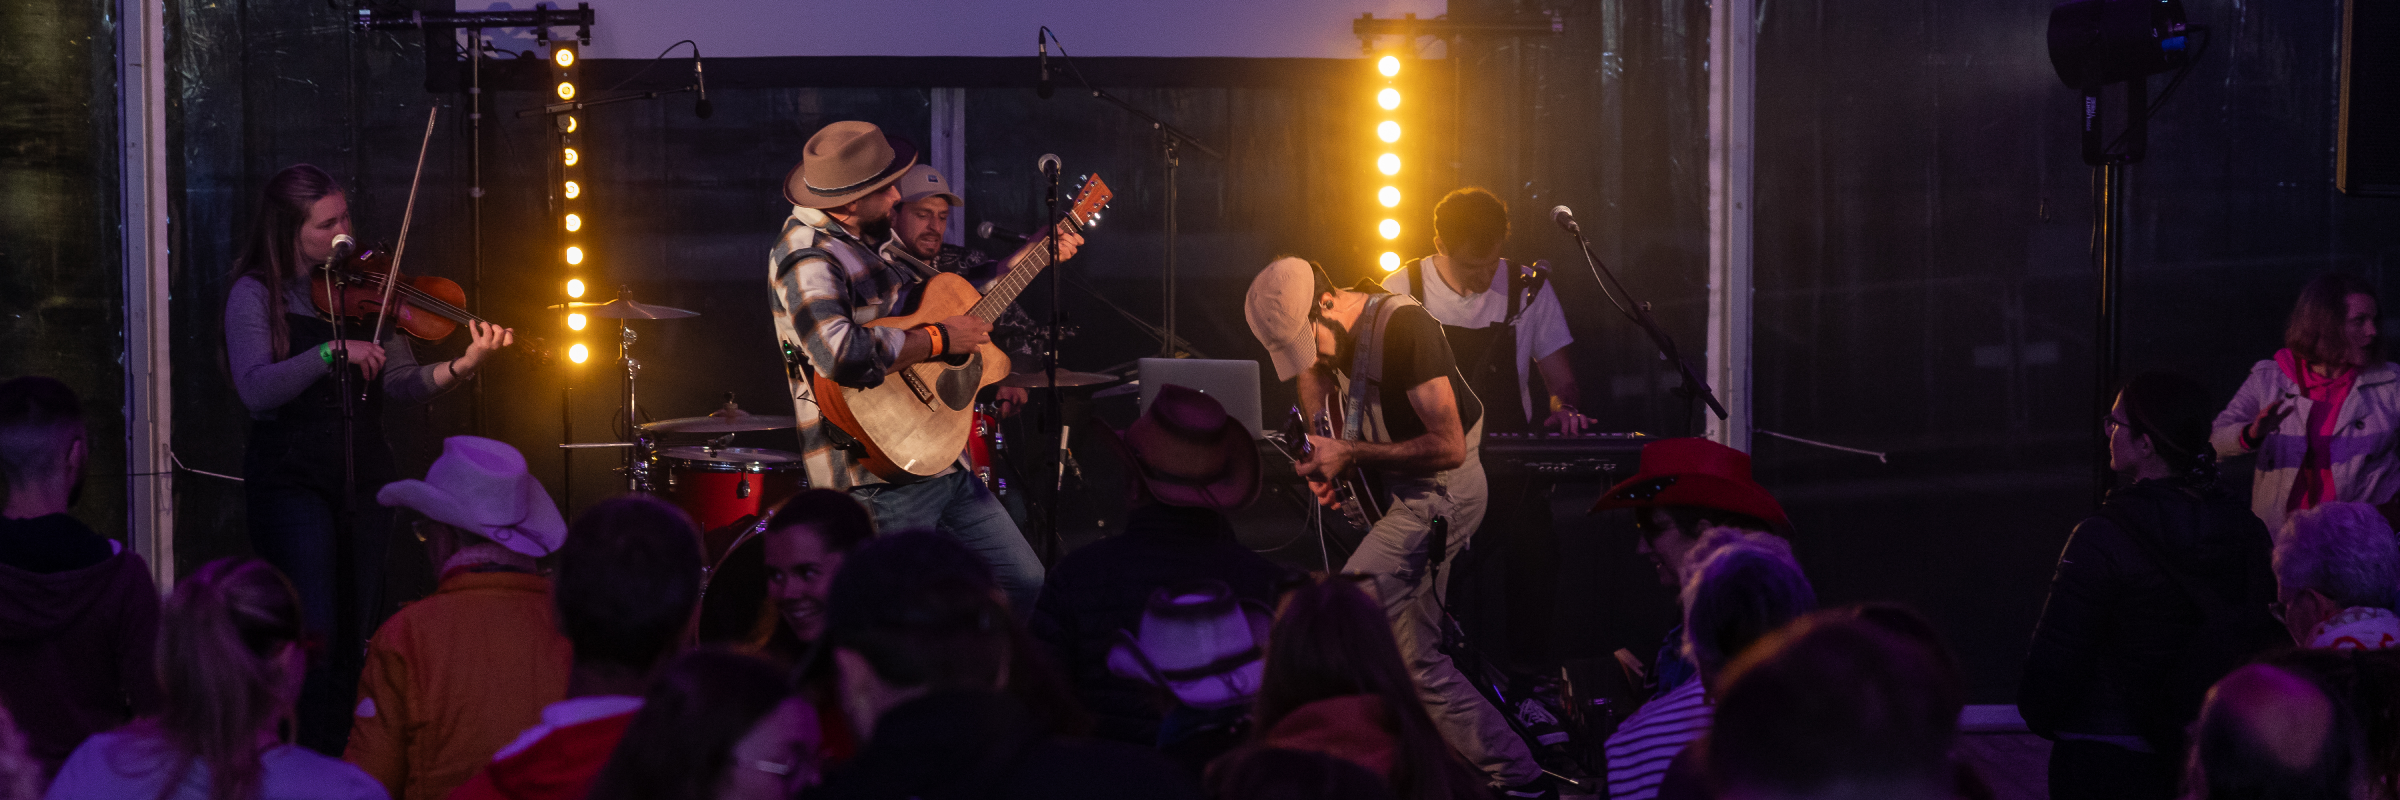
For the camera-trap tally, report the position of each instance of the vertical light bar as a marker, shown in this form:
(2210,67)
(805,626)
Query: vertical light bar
(574,189)
(1386,136)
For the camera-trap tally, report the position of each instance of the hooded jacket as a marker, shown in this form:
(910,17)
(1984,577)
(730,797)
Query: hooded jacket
(2117,633)
(75,651)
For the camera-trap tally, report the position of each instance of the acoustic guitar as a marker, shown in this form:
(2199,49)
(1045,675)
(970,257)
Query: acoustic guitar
(916,421)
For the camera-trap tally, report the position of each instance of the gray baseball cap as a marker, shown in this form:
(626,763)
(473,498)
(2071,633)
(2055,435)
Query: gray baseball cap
(923,181)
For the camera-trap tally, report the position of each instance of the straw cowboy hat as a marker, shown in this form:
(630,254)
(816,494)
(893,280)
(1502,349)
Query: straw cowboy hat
(1197,642)
(1189,452)
(846,161)
(1695,472)
(480,486)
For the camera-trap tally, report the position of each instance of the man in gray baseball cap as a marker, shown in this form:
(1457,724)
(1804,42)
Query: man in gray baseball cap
(1408,418)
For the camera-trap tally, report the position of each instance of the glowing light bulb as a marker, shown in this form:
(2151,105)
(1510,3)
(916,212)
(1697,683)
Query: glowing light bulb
(575,222)
(572,157)
(566,124)
(1387,130)
(578,353)
(566,91)
(566,58)
(573,190)
(574,254)
(574,288)
(1389,261)
(1390,228)
(1389,196)
(1387,65)
(574,322)
(1388,98)
(1388,163)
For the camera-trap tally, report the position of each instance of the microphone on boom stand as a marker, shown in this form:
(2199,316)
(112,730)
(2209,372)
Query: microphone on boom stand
(992,232)
(702,109)
(1041,88)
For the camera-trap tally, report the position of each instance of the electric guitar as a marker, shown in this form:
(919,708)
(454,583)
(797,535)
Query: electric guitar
(916,421)
(1353,495)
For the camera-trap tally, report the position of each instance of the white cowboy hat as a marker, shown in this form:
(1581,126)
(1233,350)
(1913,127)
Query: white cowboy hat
(1198,643)
(480,486)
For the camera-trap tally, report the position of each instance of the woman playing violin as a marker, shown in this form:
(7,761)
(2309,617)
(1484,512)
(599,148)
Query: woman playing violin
(282,354)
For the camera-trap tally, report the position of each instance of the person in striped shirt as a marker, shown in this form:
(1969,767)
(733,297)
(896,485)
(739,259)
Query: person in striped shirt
(1742,586)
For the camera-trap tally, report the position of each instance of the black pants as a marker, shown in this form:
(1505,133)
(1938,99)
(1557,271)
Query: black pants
(2096,770)
(292,488)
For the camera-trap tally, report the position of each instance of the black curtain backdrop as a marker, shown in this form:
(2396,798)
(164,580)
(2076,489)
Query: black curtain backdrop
(1922,263)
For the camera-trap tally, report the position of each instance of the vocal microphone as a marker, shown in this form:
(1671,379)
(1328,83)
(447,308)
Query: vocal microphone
(1041,40)
(343,246)
(992,232)
(703,108)
(1048,163)
(1565,218)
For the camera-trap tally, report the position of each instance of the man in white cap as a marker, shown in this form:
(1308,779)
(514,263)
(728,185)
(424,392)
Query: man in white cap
(1408,417)
(828,279)
(454,677)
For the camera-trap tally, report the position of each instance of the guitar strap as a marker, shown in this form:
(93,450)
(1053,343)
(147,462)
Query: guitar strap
(1363,420)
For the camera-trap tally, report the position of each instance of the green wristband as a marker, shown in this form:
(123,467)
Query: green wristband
(325,351)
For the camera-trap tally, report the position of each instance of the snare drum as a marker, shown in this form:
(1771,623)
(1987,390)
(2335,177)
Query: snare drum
(719,486)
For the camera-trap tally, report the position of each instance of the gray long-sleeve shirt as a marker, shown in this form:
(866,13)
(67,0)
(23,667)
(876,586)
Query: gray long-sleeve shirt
(265,384)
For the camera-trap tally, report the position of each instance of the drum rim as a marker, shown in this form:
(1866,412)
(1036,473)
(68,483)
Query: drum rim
(720,464)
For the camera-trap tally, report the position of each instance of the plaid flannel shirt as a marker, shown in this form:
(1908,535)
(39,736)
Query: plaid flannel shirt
(819,305)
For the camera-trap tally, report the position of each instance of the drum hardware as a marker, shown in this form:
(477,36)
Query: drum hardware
(1040,379)
(624,308)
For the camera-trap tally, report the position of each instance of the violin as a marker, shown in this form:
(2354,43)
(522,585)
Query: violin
(427,307)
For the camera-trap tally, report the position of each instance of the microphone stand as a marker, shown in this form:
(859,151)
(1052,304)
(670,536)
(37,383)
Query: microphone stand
(1693,387)
(345,592)
(1055,411)
(1169,138)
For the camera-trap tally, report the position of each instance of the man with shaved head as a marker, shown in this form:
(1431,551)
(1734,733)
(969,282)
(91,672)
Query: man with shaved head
(2267,732)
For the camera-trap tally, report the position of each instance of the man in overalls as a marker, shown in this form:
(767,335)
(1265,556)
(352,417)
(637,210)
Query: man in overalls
(1409,421)
(1507,329)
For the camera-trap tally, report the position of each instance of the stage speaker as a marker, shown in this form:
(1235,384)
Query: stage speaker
(2367,147)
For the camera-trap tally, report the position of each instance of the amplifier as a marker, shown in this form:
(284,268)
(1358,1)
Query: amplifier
(1590,457)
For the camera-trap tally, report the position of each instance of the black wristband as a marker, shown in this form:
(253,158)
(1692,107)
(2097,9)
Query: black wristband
(945,329)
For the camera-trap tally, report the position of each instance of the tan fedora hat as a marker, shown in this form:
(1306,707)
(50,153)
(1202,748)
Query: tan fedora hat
(846,161)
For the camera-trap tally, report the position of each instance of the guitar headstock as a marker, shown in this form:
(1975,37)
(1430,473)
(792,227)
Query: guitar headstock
(1091,195)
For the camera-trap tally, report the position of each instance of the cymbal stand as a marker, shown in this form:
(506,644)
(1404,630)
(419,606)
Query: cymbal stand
(637,466)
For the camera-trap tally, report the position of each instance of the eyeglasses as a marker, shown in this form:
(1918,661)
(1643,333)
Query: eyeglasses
(2109,422)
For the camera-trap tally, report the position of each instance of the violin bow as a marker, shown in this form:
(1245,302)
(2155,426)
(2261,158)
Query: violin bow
(391,279)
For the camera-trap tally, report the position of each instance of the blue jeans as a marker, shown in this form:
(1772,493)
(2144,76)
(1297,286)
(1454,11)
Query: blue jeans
(959,506)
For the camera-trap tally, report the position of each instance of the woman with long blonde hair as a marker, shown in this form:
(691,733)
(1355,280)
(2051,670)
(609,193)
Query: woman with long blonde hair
(230,659)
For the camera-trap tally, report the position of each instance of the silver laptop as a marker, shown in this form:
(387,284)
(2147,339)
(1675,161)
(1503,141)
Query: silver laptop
(1233,383)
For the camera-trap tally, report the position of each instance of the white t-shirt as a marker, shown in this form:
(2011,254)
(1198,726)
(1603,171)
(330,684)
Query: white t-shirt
(135,764)
(1541,329)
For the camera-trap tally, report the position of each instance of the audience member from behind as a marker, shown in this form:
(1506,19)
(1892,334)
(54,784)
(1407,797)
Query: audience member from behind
(1334,685)
(1742,586)
(2336,569)
(1835,706)
(453,677)
(925,646)
(230,661)
(2323,415)
(2269,732)
(1204,651)
(2155,597)
(718,725)
(2367,684)
(1685,489)
(1192,463)
(78,613)
(628,578)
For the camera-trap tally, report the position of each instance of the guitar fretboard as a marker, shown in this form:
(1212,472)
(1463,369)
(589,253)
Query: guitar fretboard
(1020,274)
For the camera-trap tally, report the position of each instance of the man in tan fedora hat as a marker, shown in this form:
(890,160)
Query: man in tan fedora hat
(1191,463)
(828,279)
(1410,418)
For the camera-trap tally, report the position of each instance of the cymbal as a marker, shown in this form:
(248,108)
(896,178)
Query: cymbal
(1038,379)
(723,421)
(625,309)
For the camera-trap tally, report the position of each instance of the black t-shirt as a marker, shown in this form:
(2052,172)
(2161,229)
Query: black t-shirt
(50,543)
(1414,352)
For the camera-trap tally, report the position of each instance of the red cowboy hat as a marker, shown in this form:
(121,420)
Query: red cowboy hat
(1695,472)
(1188,452)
